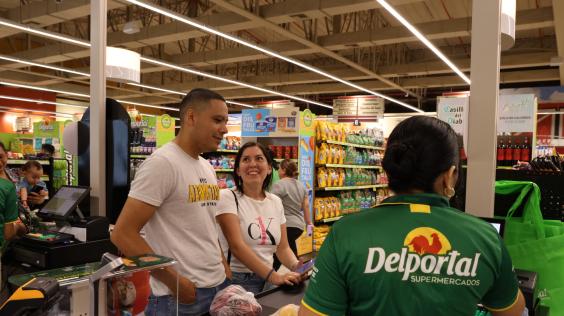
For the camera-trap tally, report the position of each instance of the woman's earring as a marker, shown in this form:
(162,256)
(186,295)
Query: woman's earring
(449,192)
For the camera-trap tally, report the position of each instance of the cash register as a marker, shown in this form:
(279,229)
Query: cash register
(73,239)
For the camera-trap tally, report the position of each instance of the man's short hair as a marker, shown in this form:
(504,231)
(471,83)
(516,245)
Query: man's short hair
(196,99)
(48,148)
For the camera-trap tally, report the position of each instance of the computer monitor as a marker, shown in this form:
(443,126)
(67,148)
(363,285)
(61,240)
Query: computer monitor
(64,202)
(498,224)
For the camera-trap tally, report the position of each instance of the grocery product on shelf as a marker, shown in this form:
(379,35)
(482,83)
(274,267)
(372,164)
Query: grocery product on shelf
(222,161)
(230,143)
(284,152)
(319,234)
(329,131)
(225,181)
(339,177)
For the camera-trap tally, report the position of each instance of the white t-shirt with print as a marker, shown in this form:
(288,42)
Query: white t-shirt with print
(259,222)
(186,194)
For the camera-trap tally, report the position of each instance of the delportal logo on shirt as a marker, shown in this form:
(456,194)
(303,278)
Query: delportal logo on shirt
(427,256)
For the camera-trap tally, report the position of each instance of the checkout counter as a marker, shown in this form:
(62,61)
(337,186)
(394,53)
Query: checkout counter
(69,239)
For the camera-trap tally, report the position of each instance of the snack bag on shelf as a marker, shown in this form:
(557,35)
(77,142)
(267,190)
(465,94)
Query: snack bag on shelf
(342,155)
(335,177)
(323,153)
(341,177)
(317,209)
(322,177)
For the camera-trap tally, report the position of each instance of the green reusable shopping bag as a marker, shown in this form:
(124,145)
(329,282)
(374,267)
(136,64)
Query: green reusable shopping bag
(535,244)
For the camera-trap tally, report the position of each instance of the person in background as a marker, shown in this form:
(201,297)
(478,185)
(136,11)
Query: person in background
(47,151)
(414,254)
(295,200)
(31,183)
(10,224)
(173,198)
(253,224)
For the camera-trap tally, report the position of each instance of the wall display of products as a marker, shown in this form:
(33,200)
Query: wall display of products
(348,171)
(225,180)
(513,148)
(221,161)
(270,122)
(150,132)
(320,232)
(230,143)
(284,152)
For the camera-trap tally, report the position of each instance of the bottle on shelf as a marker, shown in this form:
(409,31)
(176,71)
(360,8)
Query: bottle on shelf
(500,151)
(516,152)
(526,150)
(509,152)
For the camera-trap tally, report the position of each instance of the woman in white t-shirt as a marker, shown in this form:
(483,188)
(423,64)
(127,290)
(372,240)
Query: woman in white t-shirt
(253,224)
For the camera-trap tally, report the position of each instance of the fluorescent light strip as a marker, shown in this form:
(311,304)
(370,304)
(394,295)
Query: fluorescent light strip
(43,89)
(149,105)
(239,83)
(150,60)
(239,103)
(423,39)
(36,111)
(155,88)
(43,32)
(550,113)
(194,23)
(41,101)
(31,63)
(181,93)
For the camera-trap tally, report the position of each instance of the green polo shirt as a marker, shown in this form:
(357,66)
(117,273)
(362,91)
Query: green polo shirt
(411,255)
(8,206)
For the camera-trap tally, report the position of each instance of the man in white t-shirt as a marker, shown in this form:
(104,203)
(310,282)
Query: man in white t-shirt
(174,198)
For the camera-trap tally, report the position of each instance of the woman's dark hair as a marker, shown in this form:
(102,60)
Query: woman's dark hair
(419,149)
(32,164)
(289,167)
(269,159)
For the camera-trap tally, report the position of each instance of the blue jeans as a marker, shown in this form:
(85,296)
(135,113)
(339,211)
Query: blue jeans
(249,281)
(166,305)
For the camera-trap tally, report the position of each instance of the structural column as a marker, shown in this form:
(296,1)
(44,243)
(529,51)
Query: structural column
(98,32)
(482,115)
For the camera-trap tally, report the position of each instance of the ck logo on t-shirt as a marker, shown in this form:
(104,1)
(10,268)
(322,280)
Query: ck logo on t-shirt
(259,231)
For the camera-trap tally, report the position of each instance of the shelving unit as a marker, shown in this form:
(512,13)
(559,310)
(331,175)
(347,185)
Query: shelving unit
(228,151)
(23,161)
(223,170)
(136,156)
(357,187)
(280,160)
(334,142)
(329,165)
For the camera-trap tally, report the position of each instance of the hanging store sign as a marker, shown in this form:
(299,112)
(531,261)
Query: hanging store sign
(362,108)
(454,111)
(516,113)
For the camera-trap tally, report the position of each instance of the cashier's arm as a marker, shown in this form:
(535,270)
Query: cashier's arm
(134,215)
(514,310)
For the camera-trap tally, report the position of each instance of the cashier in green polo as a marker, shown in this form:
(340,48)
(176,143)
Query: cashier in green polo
(414,254)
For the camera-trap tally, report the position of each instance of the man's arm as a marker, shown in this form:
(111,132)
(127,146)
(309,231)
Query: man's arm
(134,215)
(514,310)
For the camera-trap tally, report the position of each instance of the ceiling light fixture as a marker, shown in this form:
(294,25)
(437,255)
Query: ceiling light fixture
(423,39)
(7,97)
(239,83)
(31,63)
(15,85)
(36,111)
(42,32)
(154,61)
(239,103)
(194,23)
(149,105)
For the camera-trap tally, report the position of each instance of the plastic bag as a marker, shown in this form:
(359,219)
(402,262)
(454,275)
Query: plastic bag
(235,301)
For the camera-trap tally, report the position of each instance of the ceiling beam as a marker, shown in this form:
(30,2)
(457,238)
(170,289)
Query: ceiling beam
(50,12)
(558,6)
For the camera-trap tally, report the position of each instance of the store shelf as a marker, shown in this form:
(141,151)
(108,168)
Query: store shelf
(227,151)
(223,170)
(329,220)
(44,178)
(500,167)
(137,156)
(23,161)
(352,145)
(280,160)
(329,165)
(358,187)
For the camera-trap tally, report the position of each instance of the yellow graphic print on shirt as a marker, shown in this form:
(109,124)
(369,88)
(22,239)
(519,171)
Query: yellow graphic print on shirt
(203,192)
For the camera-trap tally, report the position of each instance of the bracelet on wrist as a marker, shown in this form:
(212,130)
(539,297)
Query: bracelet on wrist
(268,275)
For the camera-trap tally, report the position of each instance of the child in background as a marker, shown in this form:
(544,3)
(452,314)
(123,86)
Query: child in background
(31,182)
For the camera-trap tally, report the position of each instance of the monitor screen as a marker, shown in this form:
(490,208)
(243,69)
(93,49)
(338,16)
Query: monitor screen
(498,224)
(65,201)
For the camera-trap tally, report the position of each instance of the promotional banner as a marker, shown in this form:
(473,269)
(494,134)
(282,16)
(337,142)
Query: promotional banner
(454,111)
(165,129)
(270,122)
(307,153)
(516,113)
